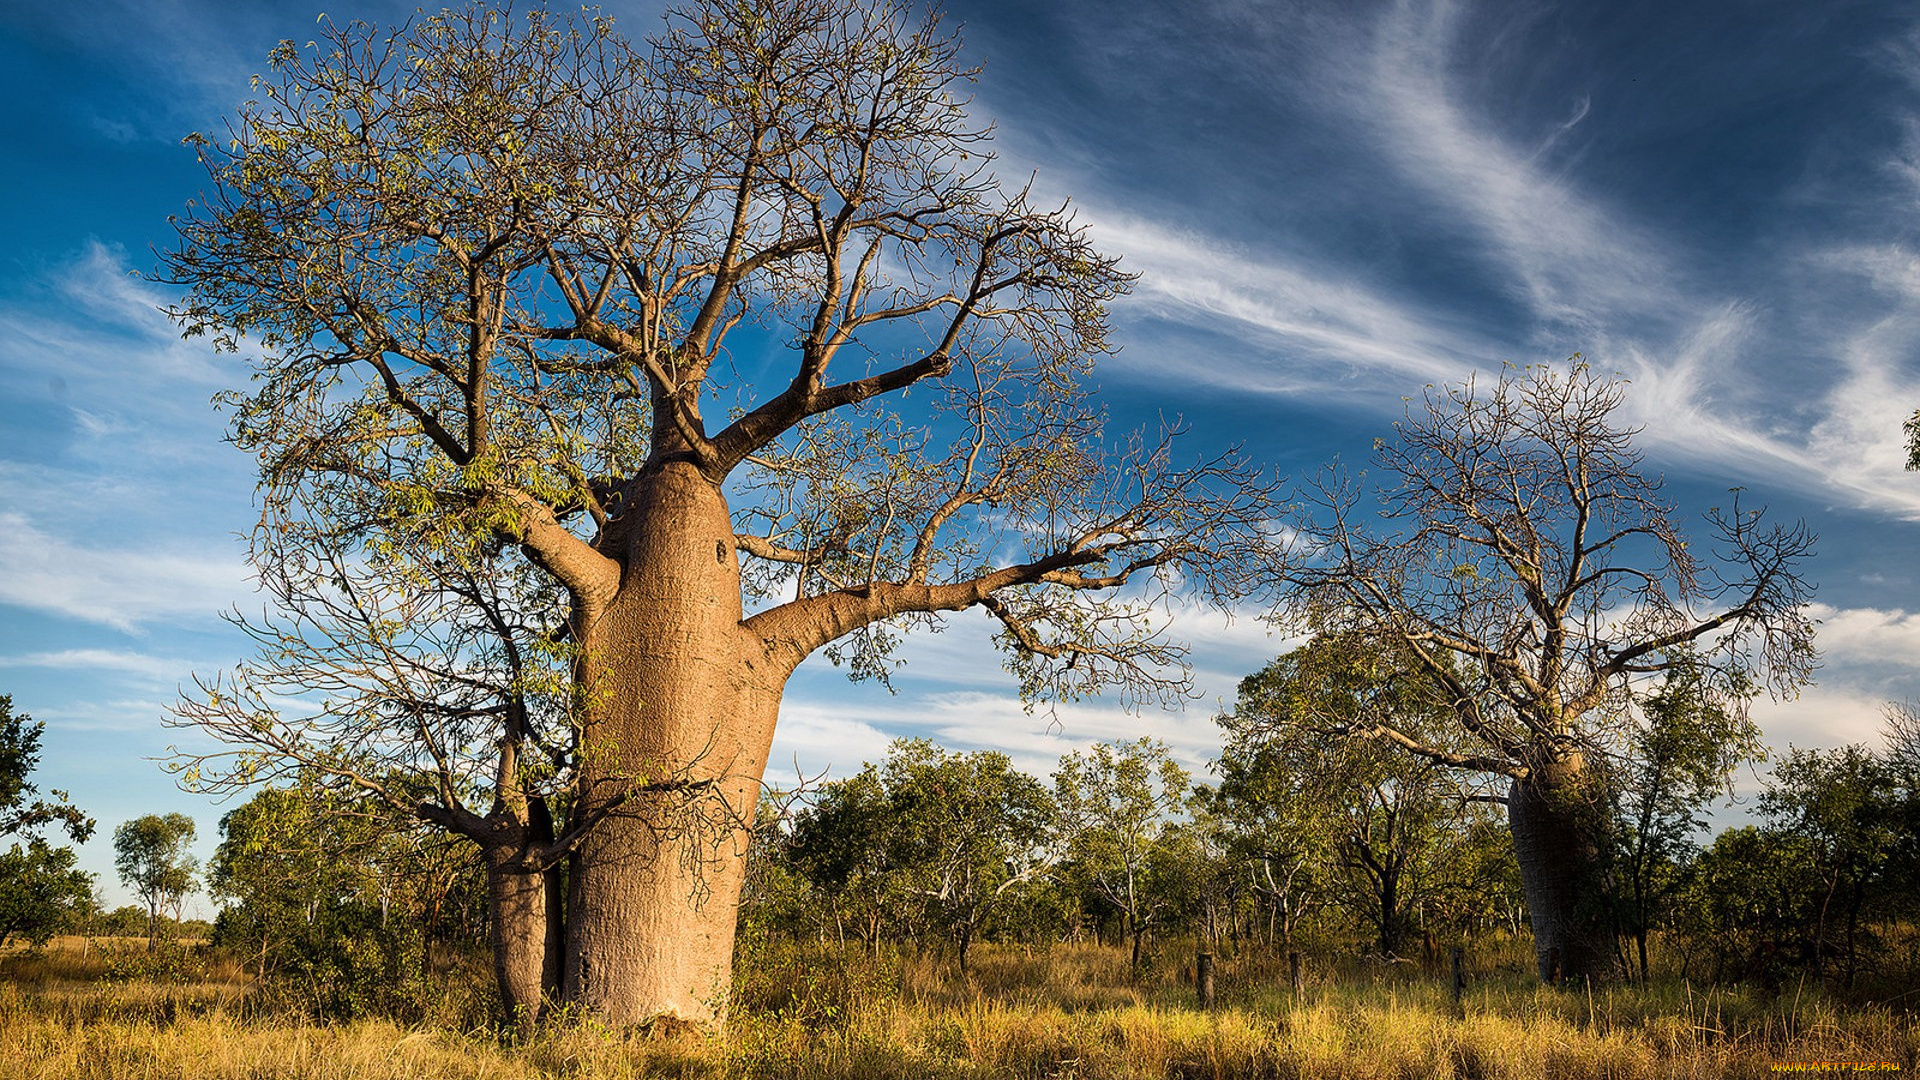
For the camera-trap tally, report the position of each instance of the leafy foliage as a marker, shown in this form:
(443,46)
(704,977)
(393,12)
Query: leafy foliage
(1322,795)
(1679,760)
(21,810)
(150,854)
(334,900)
(1843,804)
(41,893)
(1120,806)
(931,840)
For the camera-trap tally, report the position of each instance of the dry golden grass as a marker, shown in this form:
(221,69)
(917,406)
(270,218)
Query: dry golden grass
(1066,1012)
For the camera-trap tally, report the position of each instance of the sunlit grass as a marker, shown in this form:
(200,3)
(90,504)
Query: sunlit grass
(1065,1012)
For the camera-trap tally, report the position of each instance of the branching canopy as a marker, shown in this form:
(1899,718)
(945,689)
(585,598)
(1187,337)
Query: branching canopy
(496,270)
(1526,564)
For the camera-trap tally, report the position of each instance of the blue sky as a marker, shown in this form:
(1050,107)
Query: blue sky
(1330,206)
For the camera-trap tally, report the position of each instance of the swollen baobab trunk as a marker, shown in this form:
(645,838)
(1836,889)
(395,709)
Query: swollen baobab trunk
(682,705)
(1556,820)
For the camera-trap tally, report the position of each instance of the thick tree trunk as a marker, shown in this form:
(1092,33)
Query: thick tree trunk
(524,962)
(1555,817)
(681,704)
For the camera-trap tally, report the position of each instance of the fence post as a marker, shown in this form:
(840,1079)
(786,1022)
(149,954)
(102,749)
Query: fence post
(1203,979)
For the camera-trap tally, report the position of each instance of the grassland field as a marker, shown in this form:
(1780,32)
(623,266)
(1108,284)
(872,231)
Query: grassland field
(107,1010)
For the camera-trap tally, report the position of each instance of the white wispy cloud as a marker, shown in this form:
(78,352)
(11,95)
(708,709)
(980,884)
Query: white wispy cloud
(99,370)
(1821,717)
(1589,275)
(140,716)
(119,587)
(1693,352)
(97,302)
(1573,262)
(1303,311)
(819,735)
(1869,657)
(153,669)
(1885,641)
(116,518)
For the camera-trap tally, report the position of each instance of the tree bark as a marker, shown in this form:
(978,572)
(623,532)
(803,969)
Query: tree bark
(1390,908)
(524,961)
(680,704)
(1554,816)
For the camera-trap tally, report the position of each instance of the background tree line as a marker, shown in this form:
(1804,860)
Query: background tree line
(1324,843)
(1296,839)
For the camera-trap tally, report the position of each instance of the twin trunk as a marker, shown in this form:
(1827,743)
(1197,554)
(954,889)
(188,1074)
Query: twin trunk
(524,903)
(680,704)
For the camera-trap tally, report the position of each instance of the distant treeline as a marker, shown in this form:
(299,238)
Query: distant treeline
(1299,838)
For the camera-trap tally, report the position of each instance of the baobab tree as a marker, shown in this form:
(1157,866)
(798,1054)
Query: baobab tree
(427,674)
(1526,566)
(648,319)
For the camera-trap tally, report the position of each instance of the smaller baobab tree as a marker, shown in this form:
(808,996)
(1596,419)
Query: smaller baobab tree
(1534,574)
(428,674)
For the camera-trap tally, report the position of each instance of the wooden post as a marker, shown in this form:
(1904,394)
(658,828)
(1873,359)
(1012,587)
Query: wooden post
(1203,979)
(1293,971)
(1459,977)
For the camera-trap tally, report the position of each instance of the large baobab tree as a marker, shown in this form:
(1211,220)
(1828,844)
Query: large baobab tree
(1526,566)
(651,318)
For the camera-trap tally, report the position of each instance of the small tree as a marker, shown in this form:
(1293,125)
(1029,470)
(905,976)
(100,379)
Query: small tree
(1679,759)
(1270,823)
(317,885)
(1902,731)
(1119,807)
(41,893)
(845,844)
(150,853)
(1531,570)
(286,856)
(1842,804)
(1309,732)
(930,840)
(1750,904)
(973,831)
